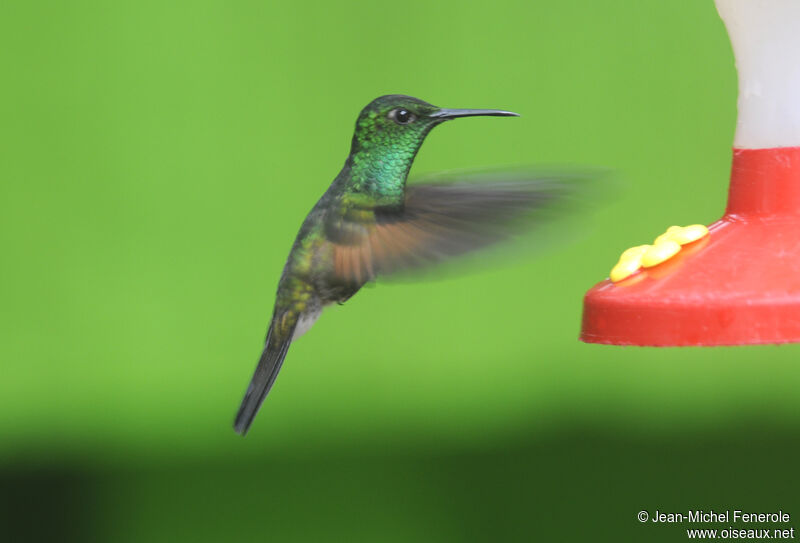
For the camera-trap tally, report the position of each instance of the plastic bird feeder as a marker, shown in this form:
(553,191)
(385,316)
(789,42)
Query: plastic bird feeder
(741,283)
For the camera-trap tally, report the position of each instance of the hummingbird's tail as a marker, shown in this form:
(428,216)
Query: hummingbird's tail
(279,338)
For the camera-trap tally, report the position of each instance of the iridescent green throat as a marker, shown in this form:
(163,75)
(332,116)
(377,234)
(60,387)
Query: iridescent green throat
(379,160)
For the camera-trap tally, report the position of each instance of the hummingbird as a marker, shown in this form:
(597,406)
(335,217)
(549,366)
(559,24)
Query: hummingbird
(370,224)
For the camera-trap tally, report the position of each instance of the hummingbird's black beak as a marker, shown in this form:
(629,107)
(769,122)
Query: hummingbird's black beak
(447,114)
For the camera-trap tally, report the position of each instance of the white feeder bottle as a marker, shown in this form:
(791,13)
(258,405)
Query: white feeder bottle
(765,35)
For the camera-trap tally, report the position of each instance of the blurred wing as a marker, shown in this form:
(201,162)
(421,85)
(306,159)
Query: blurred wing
(443,220)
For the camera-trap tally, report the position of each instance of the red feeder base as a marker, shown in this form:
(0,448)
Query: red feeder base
(739,285)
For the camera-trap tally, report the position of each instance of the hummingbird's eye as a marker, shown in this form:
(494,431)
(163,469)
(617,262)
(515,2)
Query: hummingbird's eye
(401,116)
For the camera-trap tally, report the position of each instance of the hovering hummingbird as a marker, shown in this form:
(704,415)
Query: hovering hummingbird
(369,224)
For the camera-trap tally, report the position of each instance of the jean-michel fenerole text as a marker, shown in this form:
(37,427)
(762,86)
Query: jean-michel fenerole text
(719,516)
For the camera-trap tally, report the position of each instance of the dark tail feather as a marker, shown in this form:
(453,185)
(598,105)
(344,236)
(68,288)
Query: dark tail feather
(269,365)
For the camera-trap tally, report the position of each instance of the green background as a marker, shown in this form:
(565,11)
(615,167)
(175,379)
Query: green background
(157,159)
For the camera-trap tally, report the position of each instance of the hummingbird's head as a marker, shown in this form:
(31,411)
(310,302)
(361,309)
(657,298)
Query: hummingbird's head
(397,124)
